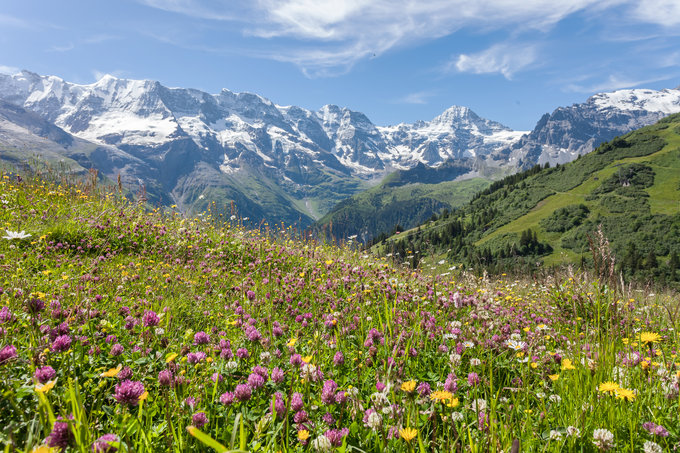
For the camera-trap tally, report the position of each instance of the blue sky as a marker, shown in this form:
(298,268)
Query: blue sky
(394,60)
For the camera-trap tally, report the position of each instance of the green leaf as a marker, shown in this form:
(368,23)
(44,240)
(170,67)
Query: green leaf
(206,439)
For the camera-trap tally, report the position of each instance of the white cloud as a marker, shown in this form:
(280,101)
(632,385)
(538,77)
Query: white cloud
(419,97)
(662,12)
(8,70)
(614,82)
(500,58)
(331,35)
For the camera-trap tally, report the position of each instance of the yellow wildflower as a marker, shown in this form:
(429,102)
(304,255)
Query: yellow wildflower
(408,386)
(46,387)
(649,337)
(303,434)
(609,387)
(408,434)
(625,394)
(554,377)
(567,365)
(113,372)
(441,395)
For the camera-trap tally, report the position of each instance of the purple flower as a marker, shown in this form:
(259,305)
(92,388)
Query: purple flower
(125,373)
(128,392)
(300,417)
(7,353)
(201,338)
(111,339)
(424,389)
(242,353)
(262,371)
(328,419)
(190,401)
(451,383)
(150,318)
(242,392)
(227,398)
(328,391)
(61,435)
(199,419)
(473,379)
(341,397)
(338,359)
(61,343)
(278,407)
(296,360)
(44,374)
(296,402)
(34,306)
(116,350)
(379,386)
(255,381)
(5,315)
(195,357)
(165,378)
(252,333)
(336,436)
(102,445)
(654,429)
(277,375)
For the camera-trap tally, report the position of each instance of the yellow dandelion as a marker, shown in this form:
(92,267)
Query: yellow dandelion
(408,386)
(303,435)
(144,396)
(554,377)
(441,395)
(625,394)
(408,434)
(567,365)
(292,342)
(113,372)
(453,402)
(608,387)
(649,337)
(46,387)
(307,359)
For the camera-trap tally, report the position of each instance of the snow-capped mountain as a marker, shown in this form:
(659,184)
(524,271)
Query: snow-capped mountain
(569,131)
(189,148)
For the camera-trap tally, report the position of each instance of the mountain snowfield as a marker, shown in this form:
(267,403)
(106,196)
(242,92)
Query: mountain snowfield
(188,147)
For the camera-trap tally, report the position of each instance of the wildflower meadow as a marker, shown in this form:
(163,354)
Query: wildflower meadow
(130,329)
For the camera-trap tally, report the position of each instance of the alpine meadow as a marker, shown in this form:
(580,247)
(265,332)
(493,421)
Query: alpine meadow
(340,226)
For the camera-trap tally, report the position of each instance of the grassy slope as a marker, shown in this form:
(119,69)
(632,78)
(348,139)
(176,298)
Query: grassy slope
(528,203)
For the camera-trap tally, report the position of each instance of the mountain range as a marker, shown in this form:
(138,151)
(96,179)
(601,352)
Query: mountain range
(274,163)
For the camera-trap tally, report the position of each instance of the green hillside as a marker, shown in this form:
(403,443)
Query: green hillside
(403,199)
(545,216)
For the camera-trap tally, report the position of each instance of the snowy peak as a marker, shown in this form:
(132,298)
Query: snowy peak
(664,101)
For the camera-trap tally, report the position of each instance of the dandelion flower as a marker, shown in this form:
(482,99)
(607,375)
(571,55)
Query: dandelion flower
(44,388)
(303,435)
(408,386)
(408,434)
(441,395)
(567,365)
(625,394)
(649,337)
(609,387)
(113,372)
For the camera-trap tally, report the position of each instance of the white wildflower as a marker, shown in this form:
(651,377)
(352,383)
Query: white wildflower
(555,435)
(651,447)
(11,235)
(515,345)
(468,344)
(322,443)
(555,398)
(475,362)
(478,405)
(573,431)
(231,365)
(457,416)
(603,439)
(374,420)
(159,331)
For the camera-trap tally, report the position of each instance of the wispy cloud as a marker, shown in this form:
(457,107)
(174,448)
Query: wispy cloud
(662,12)
(8,69)
(63,48)
(615,82)
(419,97)
(330,36)
(11,21)
(504,59)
